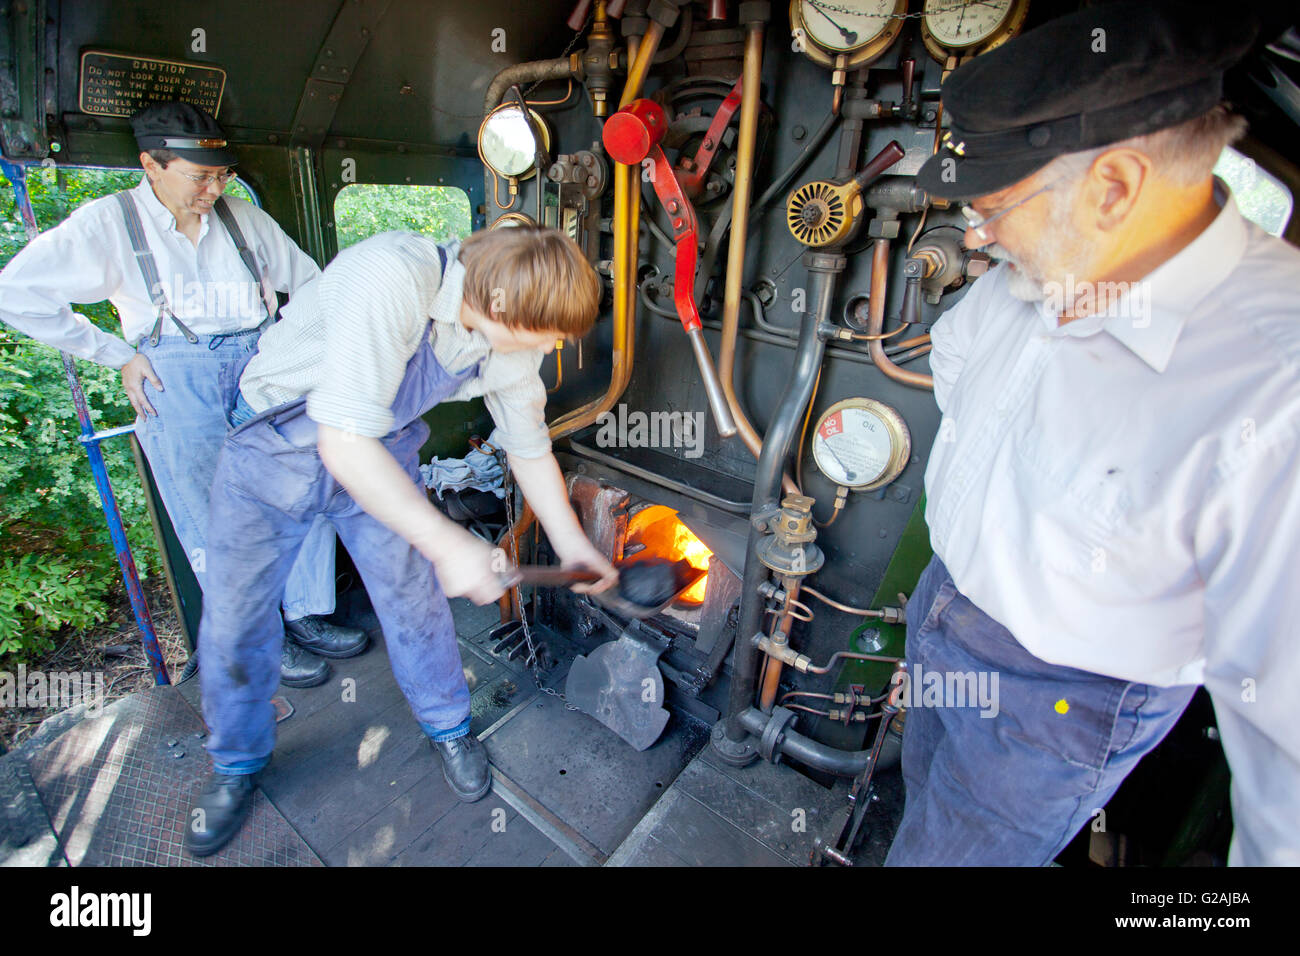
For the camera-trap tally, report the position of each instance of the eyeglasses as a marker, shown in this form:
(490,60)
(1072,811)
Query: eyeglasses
(208,180)
(978,223)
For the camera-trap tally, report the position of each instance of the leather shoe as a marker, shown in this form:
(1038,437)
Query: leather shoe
(300,668)
(464,766)
(328,640)
(224,803)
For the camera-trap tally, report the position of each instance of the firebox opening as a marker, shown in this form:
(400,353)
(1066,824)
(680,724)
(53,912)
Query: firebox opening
(657,532)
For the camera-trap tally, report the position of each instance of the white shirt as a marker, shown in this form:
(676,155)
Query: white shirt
(345,339)
(1122,493)
(88,258)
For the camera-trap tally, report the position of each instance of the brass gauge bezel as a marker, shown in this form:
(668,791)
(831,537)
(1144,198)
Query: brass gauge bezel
(512,219)
(869,52)
(538,124)
(900,441)
(1003,32)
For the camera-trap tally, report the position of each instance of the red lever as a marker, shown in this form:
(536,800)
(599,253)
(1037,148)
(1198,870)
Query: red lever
(631,136)
(693,172)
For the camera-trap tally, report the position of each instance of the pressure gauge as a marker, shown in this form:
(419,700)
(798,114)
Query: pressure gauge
(967,27)
(861,444)
(859,30)
(506,144)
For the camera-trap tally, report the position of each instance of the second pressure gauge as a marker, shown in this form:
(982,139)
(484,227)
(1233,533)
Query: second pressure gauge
(967,27)
(859,30)
(861,444)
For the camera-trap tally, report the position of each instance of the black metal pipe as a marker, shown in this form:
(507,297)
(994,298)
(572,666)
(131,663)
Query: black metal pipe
(823,267)
(810,753)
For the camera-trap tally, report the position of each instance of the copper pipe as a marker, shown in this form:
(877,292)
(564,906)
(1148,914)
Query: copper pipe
(780,636)
(847,609)
(509,541)
(750,100)
(910,343)
(627,217)
(876,320)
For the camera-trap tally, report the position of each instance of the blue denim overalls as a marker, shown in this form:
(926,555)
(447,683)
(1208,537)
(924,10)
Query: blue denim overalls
(1010,784)
(270,486)
(183,440)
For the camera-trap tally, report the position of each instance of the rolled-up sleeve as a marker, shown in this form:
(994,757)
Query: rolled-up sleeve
(1245,543)
(518,405)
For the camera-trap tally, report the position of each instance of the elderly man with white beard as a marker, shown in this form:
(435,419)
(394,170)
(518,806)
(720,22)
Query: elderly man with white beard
(1114,494)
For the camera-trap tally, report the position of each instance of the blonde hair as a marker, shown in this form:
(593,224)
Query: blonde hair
(532,278)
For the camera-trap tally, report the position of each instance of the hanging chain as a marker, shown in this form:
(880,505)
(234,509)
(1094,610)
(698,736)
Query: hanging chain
(568,49)
(532,661)
(960,5)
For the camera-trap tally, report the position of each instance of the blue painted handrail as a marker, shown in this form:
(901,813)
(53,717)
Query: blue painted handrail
(90,439)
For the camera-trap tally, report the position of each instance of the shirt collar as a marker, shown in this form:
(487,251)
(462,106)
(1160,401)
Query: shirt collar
(1149,318)
(446,310)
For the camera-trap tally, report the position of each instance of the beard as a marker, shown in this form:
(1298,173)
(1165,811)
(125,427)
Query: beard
(1041,273)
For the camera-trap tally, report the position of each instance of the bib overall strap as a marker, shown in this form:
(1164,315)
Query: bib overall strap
(227,217)
(148,268)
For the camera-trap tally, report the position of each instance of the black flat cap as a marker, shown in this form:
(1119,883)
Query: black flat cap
(1093,77)
(191,133)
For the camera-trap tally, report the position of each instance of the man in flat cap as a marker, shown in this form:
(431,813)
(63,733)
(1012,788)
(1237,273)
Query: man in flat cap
(1114,496)
(194,294)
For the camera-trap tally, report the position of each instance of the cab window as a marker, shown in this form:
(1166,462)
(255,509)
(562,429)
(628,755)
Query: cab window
(362,210)
(1261,196)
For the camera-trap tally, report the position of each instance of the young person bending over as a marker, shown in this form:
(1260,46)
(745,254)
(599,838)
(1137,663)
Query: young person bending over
(328,422)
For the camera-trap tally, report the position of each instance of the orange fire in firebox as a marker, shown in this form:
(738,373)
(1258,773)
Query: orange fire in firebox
(664,536)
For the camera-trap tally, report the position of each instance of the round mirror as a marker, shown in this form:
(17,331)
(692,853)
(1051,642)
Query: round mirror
(506,143)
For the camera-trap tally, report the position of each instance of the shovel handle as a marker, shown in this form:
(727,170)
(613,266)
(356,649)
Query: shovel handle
(547,576)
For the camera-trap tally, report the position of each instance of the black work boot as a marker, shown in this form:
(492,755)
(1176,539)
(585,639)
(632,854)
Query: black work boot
(219,812)
(464,766)
(299,668)
(328,640)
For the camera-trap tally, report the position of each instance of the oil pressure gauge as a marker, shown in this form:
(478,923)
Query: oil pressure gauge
(965,28)
(861,444)
(858,30)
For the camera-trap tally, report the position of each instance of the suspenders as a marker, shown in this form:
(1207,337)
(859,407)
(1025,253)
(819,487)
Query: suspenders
(149,268)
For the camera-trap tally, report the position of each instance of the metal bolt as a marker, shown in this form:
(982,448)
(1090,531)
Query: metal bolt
(798,133)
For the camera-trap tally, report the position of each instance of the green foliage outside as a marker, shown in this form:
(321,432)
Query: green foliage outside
(363,209)
(57,565)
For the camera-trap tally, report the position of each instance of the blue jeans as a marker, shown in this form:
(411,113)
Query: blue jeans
(183,442)
(1011,788)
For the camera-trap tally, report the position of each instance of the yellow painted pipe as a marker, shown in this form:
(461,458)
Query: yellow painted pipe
(627,222)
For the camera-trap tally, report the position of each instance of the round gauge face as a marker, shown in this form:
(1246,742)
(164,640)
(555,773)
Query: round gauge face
(853,446)
(963,23)
(507,142)
(844,25)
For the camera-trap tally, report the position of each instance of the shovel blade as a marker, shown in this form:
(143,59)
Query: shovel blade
(619,684)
